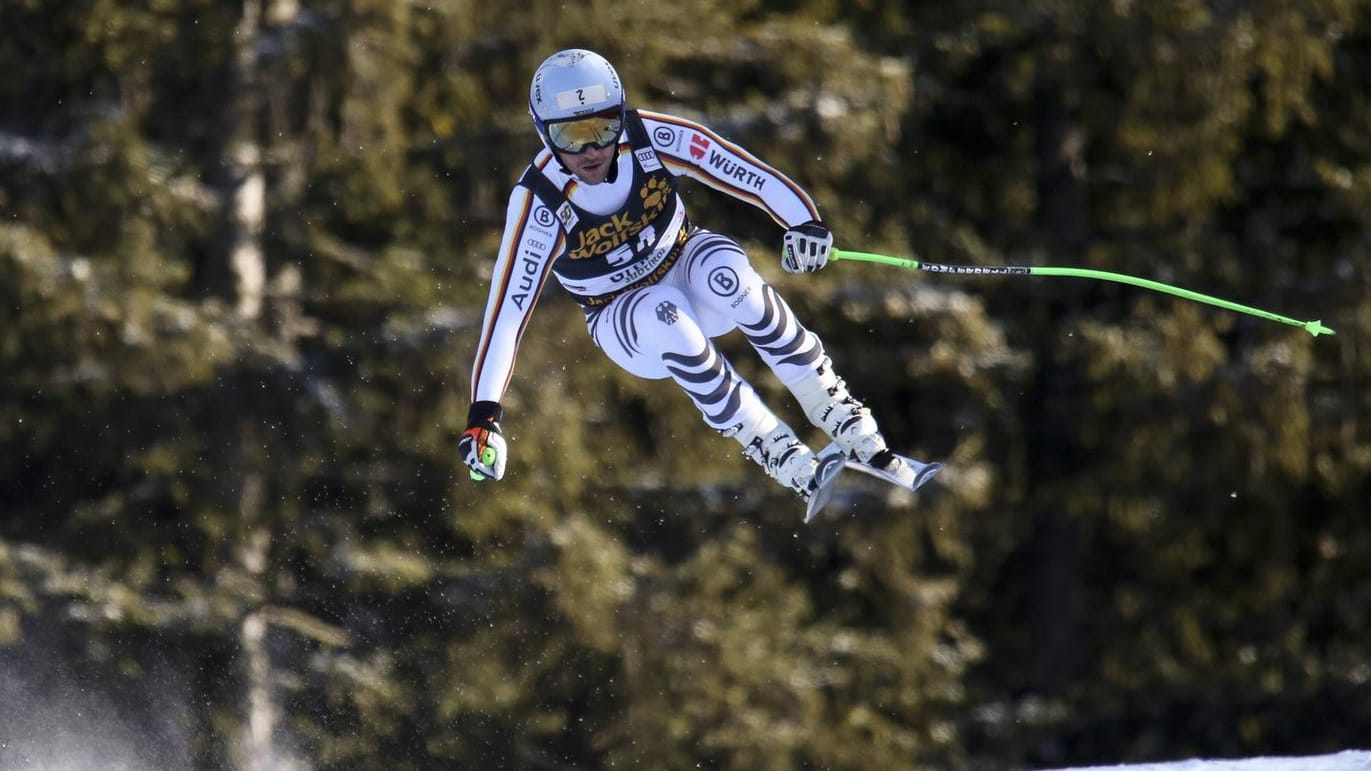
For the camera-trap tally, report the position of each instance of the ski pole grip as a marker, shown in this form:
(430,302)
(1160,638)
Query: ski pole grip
(884,259)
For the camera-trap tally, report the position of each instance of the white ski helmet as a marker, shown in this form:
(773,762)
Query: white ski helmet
(575,84)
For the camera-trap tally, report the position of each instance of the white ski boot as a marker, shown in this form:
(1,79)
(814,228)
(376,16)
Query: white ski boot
(789,461)
(784,458)
(829,406)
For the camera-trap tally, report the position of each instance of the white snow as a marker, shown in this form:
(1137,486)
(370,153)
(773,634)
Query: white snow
(1351,760)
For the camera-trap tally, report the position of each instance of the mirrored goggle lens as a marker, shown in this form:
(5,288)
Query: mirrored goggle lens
(574,136)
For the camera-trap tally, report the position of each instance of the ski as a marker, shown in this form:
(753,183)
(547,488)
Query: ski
(831,464)
(900,470)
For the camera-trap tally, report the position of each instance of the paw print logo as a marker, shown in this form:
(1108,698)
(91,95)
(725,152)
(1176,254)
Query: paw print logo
(654,193)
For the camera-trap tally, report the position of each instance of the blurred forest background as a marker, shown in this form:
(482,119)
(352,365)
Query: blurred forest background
(244,254)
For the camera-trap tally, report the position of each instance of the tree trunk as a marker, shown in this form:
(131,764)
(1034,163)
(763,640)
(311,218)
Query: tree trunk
(1055,597)
(246,188)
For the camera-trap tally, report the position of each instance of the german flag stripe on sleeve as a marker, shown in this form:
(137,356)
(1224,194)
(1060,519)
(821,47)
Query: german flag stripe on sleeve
(728,168)
(512,299)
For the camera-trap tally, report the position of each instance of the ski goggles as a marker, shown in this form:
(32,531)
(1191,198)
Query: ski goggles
(579,134)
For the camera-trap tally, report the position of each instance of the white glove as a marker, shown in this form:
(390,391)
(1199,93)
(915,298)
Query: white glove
(806,247)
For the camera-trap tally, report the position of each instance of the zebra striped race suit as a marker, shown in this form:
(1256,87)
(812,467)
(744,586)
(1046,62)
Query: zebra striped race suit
(655,288)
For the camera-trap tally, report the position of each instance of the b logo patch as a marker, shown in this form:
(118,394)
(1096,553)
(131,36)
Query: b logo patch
(723,281)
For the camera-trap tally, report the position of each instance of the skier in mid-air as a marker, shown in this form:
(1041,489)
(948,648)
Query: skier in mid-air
(598,208)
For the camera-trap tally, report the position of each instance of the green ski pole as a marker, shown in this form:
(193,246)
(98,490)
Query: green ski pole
(1314,328)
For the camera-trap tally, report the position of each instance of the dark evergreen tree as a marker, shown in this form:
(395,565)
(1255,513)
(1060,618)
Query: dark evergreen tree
(243,266)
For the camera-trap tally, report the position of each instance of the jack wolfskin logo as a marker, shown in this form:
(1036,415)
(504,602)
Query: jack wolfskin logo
(667,313)
(654,193)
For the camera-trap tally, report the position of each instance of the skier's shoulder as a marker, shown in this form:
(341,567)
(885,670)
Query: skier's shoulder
(653,119)
(675,136)
(544,163)
(543,169)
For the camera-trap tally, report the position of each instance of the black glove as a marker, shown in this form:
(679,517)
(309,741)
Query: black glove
(482,447)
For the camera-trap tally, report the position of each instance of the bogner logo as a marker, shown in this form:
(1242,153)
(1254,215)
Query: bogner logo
(665,137)
(621,228)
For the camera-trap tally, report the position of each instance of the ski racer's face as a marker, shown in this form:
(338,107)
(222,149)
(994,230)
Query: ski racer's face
(591,165)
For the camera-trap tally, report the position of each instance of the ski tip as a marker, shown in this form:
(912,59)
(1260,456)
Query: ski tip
(926,473)
(831,464)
